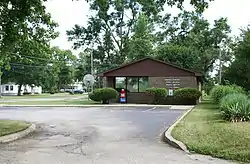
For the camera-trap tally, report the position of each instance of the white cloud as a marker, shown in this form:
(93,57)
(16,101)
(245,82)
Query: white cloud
(237,12)
(67,13)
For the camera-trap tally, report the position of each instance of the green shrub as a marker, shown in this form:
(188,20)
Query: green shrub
(208,86)
(187,93)
(235,107)
(26,93)
(158,94)
(52,90)
(103,95)
(218,92)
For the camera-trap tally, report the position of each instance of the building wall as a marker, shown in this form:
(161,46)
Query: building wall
(160,82)
(10,91)
(151,68)
(141,98)
(13,89)
(110,82)
(181,82)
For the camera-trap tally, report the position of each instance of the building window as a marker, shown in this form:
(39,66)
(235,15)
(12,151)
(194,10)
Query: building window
(6,88)
(143,84)
(11,88)
(120,82)
(132,84)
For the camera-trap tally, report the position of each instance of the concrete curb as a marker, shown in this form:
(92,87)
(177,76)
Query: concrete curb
(108,105)
(171,140)
(18,135)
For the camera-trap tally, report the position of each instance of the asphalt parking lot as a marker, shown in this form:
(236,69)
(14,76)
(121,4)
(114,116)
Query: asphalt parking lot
(105,135)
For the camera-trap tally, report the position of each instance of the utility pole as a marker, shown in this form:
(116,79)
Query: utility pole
(72,76)
(92,65)
(220,67)
(92,70)
(0,83)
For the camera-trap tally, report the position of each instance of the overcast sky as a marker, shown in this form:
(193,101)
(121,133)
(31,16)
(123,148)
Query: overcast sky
(68,13)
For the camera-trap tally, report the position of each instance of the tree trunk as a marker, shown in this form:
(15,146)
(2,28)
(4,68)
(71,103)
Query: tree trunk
(19,90)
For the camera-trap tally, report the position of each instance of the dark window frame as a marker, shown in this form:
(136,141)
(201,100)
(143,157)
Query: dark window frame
(126,82)
(11,88)
(139,82)
(7,88)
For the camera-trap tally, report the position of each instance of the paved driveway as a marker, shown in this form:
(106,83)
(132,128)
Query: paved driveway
(95,136)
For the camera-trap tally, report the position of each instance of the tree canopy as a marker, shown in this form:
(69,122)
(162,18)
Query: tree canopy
(26,30)
(117,31)
(121,32)
(238,72)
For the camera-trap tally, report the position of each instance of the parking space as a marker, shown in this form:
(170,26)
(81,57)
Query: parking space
(94,135)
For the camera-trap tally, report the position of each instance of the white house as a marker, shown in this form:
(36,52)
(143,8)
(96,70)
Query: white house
(12,89)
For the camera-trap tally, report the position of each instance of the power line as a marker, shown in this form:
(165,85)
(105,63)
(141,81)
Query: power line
(32,66)
(32,57)
(22,72)
(45,59)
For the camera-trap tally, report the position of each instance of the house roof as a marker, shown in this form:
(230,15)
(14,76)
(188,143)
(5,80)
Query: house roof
(152,59)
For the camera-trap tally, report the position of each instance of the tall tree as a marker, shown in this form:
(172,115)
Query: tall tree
(189,30)
(15,16)
(142,41)
(31,34)
(110,28)
(239,70)
(83,66)
(180,55)
(65,62)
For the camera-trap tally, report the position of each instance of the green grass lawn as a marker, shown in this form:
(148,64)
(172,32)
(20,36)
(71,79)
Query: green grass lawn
(26,96)
(204,132)
(44,95)
(56,102)
(10,126)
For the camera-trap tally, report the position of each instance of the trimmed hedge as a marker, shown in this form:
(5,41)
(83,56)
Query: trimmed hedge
(158,94)
(187,94)
(235,107)
(103,95)
(218,92)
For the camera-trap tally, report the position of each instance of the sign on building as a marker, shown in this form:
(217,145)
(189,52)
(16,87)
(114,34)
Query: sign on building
(172,83)
(171,92)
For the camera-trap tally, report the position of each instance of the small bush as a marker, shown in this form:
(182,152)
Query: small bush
(158,93)
(187,93)
(235,107)
(218,92)
(103,95)
(26,93)
(52,90)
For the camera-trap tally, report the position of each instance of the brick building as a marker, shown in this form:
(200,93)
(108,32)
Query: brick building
(136,77)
